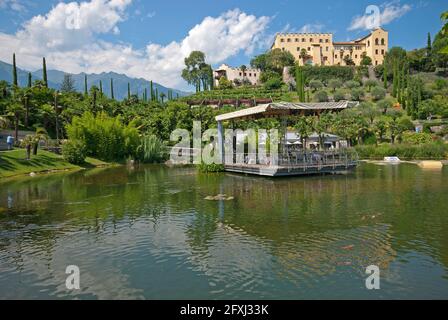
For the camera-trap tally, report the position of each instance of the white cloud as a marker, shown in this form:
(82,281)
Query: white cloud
(391,11)
(15,5)
(79,48)
(311,28)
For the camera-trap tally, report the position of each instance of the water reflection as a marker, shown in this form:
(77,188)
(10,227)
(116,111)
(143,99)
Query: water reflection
(149,233)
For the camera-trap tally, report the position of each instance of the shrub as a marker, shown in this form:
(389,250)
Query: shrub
(434,150)
(357,94)
(105,138)
(273,83)
(378,93)
(321,96)
(151,149)
(334,84)
(339,95)
(74,151)
(316,84)
(325,73)
(211,168)
(416,138)
(352,84)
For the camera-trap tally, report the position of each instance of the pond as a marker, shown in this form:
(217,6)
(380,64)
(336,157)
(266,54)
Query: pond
(154,232)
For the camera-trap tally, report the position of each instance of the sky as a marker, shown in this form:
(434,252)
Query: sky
(150,39)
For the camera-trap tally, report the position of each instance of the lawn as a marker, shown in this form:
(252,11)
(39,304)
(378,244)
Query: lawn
(13,163)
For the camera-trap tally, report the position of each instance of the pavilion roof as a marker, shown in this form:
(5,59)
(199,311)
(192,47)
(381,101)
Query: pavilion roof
(279,109)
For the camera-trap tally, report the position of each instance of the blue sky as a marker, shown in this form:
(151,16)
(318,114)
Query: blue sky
(149,39)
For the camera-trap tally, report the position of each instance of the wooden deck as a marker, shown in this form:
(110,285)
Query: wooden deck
(290,170)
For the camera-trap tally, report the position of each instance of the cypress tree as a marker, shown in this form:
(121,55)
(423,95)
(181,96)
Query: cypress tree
(429,45)
(157,95)
(30,84)
(152,91)
(44,72)
(112,89)
(14,71)
(146,95)
(385,75)
(395,82)
(177,96)
(85,85)
(129,91)
(101,88)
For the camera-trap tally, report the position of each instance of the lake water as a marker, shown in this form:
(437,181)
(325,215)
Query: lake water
(149,233)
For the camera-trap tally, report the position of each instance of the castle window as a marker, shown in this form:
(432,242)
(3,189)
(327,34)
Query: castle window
(376,42)
(255,74)
(376,51)
(297,39)
(311,40)
(309,49)
(241,74)
(298,48)
(326,49)
(368,43)
(289,40)
(382,51)
(250,74)
(303,40)
(321,40)
(356,56)
(326,40)
(282,40)
(382,42)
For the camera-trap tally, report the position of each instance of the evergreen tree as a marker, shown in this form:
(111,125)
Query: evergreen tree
(101,88)
(152,92)
(30,79)
(68,84)
(129,91)
(14,71)
(385,75)
(157,95)
(112,89)
(395,81)
(145,95)
(85,85)
(44,72)
(429,45)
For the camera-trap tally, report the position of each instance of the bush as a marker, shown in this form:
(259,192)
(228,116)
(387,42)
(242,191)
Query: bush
(352,84)
(378,93)
(334,84)
(357,94)
(316,84)
(273,83)
(74,151)
(410,137)
(434,150)
(321,96)
(105,138)
(151,149)
(325,73)
(211,168)
(339,95)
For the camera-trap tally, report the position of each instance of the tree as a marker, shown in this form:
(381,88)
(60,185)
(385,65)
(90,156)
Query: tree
(14,71)
(112,89)
(428,45)
(385,82)
(321,96)
(348,61)
(44,72)
(378,93)
(304,128)
(339,95)
(68,84)
(357,94)
(15,110)
(334,84)
(224,83)
(385,104)
(370,83)
(300,83)
(129,91)
(85,86)
(365,59)
(30,80)
(196,70)
(162,96)
(243,69)
(316,85)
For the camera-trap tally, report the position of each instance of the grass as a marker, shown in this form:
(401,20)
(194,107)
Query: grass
(14,163)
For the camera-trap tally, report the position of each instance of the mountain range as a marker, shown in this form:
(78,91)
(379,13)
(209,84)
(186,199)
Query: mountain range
(120,81)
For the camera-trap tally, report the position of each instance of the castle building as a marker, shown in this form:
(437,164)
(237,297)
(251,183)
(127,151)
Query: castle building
(320,49)
(237,74)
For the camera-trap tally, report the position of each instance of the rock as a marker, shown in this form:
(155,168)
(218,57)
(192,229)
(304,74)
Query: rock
(430,164)
(32,174)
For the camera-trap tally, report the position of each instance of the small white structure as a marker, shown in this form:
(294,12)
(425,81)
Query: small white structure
(392,159)
(250,74)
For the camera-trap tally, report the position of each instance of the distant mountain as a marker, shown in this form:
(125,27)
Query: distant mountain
(121,81)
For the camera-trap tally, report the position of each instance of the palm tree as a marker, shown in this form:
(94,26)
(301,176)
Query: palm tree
(3,122)
(162,96)
(40,135)
(26,143)
(243,70)
(15,110)
(23,95)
